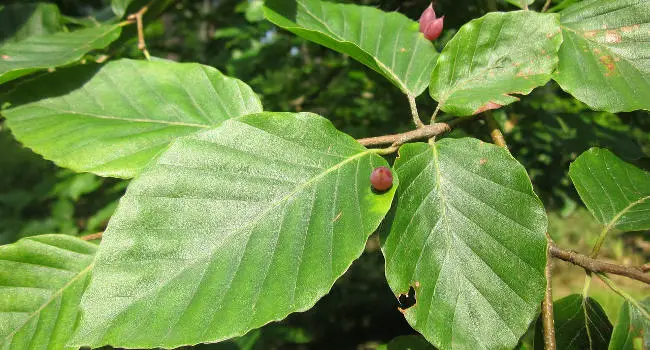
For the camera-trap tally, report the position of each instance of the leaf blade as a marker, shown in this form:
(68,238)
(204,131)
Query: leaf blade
(42,278)
(454,227)
(122,114)
(406,61)
(496,62)
(50,51)
(632,330)
(615,192)
(265,231)
(603,61)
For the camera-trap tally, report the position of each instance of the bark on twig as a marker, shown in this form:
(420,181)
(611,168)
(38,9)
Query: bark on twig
(597,266)
(426,131)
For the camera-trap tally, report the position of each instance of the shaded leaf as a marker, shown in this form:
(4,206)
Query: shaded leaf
(604,59)
(42,279)
(580,323)
(230,229)
(632,331)
(116,117)
(20,21)
(615,192)
(50,51)
(493,58)
(468,236)
(389,43)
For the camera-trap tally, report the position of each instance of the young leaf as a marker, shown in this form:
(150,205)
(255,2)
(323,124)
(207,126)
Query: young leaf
(389,43)
(111,120)
(632,331)
(42,279)
(232,228)
(604,59)
(50,51)
(580,323)
(20,21)
(493,58)
(615,192)
(468,237)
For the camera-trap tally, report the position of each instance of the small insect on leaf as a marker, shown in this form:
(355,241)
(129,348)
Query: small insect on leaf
(381,179)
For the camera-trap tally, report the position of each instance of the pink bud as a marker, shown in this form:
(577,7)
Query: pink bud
(431,26)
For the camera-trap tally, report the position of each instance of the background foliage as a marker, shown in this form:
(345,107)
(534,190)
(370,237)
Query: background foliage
(546,131)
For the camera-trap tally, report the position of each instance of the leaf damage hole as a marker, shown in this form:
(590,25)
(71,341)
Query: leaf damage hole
(408,300)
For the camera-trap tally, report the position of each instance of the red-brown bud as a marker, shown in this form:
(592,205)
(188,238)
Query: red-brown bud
(431,26)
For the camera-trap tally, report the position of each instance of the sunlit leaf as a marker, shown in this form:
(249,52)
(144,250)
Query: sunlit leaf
(232,228)
(42,279)
(494,58)
(468,237)
(388,42)
(111,120)
(604,61)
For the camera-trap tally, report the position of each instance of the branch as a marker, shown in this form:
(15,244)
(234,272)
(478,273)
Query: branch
(93,237)
(547,303)
(546,5)
(138,19)
(599,266)
(424,132)
(495,131)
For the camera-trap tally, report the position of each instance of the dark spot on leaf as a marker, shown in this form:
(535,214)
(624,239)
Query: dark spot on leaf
(407,300)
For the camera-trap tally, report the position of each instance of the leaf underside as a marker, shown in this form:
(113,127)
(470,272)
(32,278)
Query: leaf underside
(230,229)
(468,236)
(632,331)
(388,43)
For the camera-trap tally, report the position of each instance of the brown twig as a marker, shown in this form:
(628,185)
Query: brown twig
(495,131)
(424,132)
(546,6)
(547,303)
(599,266)
(93,236)
(646,267)
(138,19)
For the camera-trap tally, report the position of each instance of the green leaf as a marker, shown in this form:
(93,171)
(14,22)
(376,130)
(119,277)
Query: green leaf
(388,43)
(615,192)
(580,323)
(42,279)
(632,331)
(232,228)
(20,21)
(468,237)
(604,59)
(120,6)
(493,58)
(111,120)
(50,51)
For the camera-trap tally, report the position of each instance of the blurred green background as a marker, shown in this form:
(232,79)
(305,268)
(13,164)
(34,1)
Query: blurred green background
(545,131)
